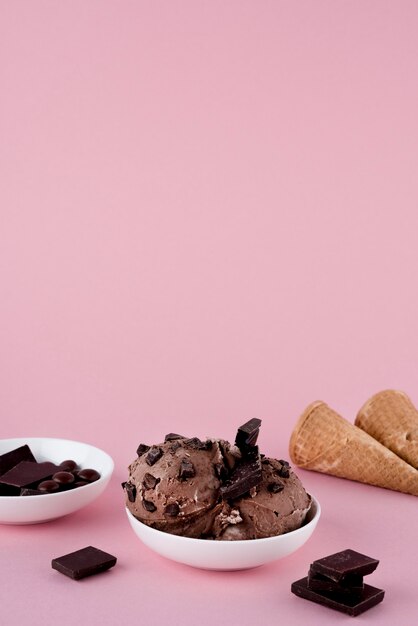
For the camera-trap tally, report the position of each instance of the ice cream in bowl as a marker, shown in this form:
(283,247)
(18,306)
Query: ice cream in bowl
(216,505)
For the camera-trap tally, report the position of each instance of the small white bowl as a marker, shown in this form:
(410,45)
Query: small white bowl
(35,509)
(226,555)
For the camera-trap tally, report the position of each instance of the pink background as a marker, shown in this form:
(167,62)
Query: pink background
(208,212)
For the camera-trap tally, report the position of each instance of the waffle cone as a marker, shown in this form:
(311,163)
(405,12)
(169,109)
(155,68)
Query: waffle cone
(391,418)
(325,442)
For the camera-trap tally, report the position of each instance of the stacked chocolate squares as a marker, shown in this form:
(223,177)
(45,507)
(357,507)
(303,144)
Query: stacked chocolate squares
(336,581)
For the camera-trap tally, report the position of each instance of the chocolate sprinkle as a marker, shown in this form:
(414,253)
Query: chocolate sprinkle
(186,469)
(149,506)
(154,455)
(172,510)
(142,448)
(130,491)
(150,482)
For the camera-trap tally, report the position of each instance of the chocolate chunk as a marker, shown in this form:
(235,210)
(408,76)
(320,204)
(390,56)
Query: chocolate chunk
(84,562)
(150,482)
(283,471)
(341,564)
(246,475)
(275,487)
(48,486)
(27,473)
(248,433)
(63,478)
(142,448)
(220,471)
(31,492)
(68,466)
(172,510)
(154,455)
(286,463)
(186,469)
(352,584)
(88,474)
(173,437)
(130,491)
(175,446)
(8,460)
(351,605)
(149,506)
(198,444)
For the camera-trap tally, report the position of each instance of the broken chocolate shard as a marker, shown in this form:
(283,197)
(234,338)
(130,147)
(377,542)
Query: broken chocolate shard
(8,460)
(172,510)
(84,562)
(350,605)
(27,473)
(130,491)
(141,449)
(247,434)
(173,437)
(186,469)
(341,564)
(198,444)
(154,455)
(245,476)
(149,506)
(352,584)
(150,481)
(275,487)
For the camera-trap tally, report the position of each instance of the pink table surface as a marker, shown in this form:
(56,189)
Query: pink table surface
(208,212)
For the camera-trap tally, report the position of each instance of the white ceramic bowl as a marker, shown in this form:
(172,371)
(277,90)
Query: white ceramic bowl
(226,555)
(35,509)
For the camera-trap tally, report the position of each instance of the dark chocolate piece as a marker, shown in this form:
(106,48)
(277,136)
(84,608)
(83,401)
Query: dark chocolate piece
(283,471)
(352,584)
(198,444)
(31,492)
(172,510)
(150,482)
(154,455)
(63,478)
(79,483)
(173,437)
(142,448)
(48,486)
(27,473)
(245,476)
(186,469)
(338,565)
(130,491)
(84,562)
(68,466)
(351,605)
(275,487)
(149,506)
(8,460)
(175,446)
(220,471)
(88,474)
(248,433)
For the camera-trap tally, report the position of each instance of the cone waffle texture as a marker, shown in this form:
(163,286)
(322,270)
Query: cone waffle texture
(391,418)
(325,442)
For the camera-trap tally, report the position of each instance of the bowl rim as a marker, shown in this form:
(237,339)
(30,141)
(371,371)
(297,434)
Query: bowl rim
(104,476)
(316,515)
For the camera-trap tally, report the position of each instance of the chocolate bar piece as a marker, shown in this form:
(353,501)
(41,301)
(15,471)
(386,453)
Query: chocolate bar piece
(27,473)
(248,433)
(84,562)
(12,458)
(341,564)
(246,475)
(351,584)
(351,605)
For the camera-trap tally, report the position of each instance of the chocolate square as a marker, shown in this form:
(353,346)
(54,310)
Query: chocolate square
(84,562)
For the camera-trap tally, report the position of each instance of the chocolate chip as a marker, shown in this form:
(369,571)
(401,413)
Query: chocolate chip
(286,463)
(68,466)
(142,448)
(149,506)
(172,510)
(154,455)
(48,486)
(130,491)
(197,444)
(186,469)
(63,478)
(275,487)
(150,482)
(173,437)
(283,472)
